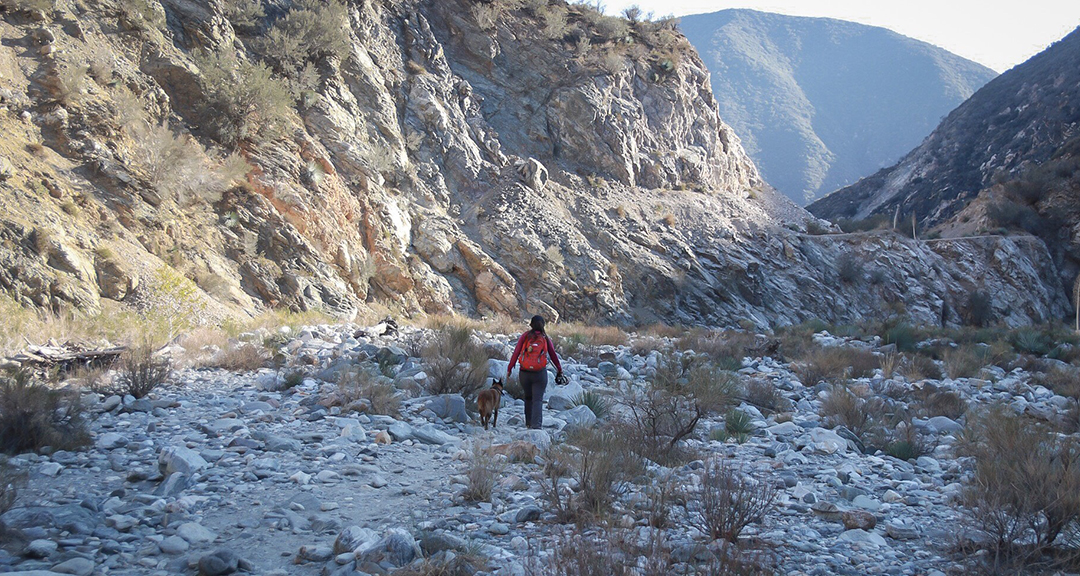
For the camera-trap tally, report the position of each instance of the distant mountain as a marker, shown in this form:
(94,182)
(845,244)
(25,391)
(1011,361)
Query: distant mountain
(1020,120)
(820,103)
(1006,160)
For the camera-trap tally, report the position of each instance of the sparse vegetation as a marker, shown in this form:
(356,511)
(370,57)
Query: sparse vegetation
(245,101)
(835,363)
(729,501)
(483,471)
(1024,492)
(363,390)
(141,371)
(34,416)
(11,481)
(456,361)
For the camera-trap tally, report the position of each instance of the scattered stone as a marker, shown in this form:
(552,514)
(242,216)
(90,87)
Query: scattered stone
(218,563)
(181,459)
(40,548)
(858,519)
(195,533)
(77,566)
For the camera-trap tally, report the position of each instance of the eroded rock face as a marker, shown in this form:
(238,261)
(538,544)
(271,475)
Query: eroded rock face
(440,165)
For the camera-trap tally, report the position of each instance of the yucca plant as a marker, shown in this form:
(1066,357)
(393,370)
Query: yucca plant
(739,424)
(599,405)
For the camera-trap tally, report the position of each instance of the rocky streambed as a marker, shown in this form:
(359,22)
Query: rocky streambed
(218,472)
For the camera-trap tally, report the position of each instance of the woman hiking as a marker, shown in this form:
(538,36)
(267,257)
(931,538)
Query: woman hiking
(533,349)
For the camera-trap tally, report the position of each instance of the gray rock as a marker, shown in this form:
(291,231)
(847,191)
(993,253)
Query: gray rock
(559,402)
(180,459)
(174,484)
(429,434)
(50,469)
(281,444)
(578,417)
(174,545)
(449,407)
(528,514)
(40,548)
(400,431)
(218,563)
(901,529)
(110,441)
(315,554)
(77,566)
(944,425)
(111,403)
(396,548)
(352,538)
(539,438)
(499,529)
(195,533)
(862,537)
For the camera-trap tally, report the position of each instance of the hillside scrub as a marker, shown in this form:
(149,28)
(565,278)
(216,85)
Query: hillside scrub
(34,416)
(1024,491)
(456,361)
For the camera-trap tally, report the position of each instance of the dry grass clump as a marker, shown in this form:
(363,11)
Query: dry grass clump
(449,563)
(765,395)
(362,390)
(141,372)
(934,402)
(483,471)
(618,552)
(1062,380)
(33,416)
(598,462)
(590,335)
(729,501)
(843,407)
(724,347)
(1024,492)
(915,367)
(964,361)
(835,363)
(11,481)
(243,357)
(456,362)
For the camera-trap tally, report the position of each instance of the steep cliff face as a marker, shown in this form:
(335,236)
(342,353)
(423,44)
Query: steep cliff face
(1016,121)
(426,156)
(819,102)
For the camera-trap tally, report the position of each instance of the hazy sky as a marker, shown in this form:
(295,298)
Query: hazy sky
(992,32)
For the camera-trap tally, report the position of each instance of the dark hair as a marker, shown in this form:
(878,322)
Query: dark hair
(537,323)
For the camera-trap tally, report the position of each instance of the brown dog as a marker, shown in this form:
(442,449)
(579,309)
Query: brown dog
(488,402)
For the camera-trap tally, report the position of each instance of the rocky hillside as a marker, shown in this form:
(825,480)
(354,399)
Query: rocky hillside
(197,159)
(1017,121)
(820,103)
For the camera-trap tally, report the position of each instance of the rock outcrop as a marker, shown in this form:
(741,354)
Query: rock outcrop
(420,156)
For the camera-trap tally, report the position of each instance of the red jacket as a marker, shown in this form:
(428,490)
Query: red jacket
(521,344)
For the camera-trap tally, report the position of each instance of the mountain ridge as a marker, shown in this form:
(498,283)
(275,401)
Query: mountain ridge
(820,102)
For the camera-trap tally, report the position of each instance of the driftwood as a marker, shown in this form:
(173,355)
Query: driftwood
(66,357)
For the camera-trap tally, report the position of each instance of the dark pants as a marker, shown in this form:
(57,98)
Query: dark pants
(534,384)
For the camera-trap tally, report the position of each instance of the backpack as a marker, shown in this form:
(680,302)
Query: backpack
(534,353)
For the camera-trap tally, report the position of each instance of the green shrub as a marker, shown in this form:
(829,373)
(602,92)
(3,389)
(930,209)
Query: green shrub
(244,101)
(362,390)
(33,416)
(763,394)
(310,31)
(141,15)
(850,268)
(904,336)
(1032,341)
(978,309)
(243,13)
(739,423)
